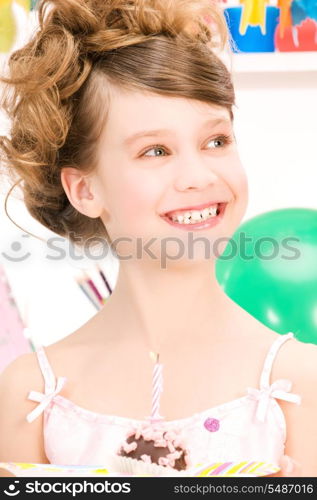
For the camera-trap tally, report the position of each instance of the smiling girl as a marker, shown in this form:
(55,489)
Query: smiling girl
(122,129)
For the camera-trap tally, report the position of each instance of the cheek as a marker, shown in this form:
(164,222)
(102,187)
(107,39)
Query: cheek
(133,198)
(237,180)
(243,187)
(240,188)
(141,196)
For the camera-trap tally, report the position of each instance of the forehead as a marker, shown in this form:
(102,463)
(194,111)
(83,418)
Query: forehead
(132,112)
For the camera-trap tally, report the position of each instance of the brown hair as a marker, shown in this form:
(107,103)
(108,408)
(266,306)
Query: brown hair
(57,82)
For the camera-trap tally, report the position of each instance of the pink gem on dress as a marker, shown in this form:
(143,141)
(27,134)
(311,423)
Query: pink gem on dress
(212,424)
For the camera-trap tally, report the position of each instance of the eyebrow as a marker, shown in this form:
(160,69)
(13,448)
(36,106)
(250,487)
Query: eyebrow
(154,133)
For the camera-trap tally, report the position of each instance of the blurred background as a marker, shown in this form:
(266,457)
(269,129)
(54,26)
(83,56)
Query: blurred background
(273,60)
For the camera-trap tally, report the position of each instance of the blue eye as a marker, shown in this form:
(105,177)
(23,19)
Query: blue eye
(224,141)
(153,148)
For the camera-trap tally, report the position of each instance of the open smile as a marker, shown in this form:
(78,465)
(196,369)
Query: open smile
(197,219)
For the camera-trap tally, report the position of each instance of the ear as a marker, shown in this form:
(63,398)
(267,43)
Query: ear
(76,185)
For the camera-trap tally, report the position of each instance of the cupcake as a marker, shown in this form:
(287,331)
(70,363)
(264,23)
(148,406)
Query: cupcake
(152,448)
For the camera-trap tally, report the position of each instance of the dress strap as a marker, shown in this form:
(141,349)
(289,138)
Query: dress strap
(51,389)
(279,389)
(268,363)
(46,369)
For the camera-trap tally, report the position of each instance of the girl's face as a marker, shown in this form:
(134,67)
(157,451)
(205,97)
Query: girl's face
(159,154)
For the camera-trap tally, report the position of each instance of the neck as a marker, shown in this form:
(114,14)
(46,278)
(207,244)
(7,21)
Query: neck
(162,306)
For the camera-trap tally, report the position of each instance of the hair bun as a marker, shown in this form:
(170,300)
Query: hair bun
(107,25)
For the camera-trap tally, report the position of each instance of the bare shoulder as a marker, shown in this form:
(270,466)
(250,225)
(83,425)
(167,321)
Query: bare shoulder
(20,441)
(21,376)
(71,357)
(74,346)
(81,347)
(297,361)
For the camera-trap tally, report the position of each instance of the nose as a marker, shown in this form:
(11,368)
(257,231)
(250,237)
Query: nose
(194,174)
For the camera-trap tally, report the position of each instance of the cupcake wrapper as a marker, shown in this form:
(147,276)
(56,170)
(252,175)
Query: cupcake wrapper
(138,467)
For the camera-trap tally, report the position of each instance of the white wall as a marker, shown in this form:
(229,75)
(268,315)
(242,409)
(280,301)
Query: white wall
(277,134)
(276,127)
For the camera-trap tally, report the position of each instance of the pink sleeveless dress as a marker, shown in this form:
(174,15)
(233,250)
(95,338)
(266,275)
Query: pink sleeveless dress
(251,427)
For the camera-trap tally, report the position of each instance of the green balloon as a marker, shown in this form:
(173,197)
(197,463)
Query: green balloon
(269,268)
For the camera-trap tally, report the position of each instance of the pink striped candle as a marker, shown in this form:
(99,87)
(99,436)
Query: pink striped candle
(157,388)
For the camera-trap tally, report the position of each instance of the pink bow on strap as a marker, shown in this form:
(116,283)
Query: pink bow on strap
(279,390)
(44,399)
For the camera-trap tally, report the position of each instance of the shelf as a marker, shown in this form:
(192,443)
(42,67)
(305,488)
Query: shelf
(282,62)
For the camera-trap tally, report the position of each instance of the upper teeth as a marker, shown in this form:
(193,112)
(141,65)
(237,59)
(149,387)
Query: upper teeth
(193,216)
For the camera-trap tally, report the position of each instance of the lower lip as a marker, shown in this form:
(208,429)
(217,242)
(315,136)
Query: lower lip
(213,221)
